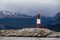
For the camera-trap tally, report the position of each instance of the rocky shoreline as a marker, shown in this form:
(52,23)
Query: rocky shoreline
(30,32)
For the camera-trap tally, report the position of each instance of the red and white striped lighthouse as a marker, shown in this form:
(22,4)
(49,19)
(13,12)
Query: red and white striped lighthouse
(38,21)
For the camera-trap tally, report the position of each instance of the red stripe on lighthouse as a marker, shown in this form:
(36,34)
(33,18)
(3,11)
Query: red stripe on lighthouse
(38,21)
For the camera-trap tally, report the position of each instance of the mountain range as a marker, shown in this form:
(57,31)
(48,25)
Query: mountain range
(8,14)
(44,20)
(8,18)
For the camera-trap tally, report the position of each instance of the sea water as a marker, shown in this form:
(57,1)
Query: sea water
(18,23)
(27,38)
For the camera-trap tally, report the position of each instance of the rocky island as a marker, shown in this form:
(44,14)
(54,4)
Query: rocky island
(29,32)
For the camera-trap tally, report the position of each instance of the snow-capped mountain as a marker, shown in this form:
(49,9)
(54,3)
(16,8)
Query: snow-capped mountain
(2,14)
(8,14)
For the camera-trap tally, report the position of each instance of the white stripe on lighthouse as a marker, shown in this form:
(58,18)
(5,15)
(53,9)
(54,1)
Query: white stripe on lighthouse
(38,21)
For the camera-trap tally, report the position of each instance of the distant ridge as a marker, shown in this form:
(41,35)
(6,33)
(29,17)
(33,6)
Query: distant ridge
(57,15)
(23,21)
(8,14)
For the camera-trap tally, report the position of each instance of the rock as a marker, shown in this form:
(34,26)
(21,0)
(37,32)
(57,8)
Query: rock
(54,34)
(30,32)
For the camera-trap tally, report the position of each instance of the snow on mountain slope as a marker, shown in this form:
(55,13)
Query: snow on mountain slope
(8,14)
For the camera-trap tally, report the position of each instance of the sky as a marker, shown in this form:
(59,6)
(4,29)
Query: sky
(31,7)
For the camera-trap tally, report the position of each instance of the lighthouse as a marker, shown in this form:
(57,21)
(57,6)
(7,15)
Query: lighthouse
(38,21)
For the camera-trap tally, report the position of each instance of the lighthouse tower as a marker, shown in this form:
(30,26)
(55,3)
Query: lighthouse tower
(38,21)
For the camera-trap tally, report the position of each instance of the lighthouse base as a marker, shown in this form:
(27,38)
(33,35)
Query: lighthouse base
(38,25)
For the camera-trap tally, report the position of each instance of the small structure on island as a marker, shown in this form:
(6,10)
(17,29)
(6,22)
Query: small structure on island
(38,21)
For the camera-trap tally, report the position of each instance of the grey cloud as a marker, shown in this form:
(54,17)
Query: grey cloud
(46,9)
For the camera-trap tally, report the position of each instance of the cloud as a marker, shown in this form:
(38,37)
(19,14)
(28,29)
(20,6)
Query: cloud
(46,7)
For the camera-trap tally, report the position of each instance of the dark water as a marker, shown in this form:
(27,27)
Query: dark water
(19,22)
